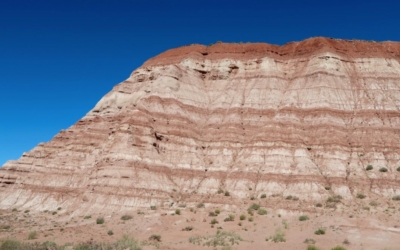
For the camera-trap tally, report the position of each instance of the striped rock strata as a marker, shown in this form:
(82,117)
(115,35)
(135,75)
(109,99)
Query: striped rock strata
(250,119)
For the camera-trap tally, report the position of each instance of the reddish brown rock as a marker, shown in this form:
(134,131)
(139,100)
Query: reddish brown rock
(250,119)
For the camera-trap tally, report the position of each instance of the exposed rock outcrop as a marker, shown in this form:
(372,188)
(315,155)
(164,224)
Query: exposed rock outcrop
(251,119)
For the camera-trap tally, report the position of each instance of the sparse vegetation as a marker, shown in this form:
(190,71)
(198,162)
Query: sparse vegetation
(178,211)
(14,209)
(188,228)
(227,193)
(361,196)
(254,206)
(200,205)
(214,221)
(312,248)
(100,220)
(279,236)
(327,188)
(220,191)
(217,211)
(231,217)
(153,207)
(383,170)
(398,169)
(309,241)
(251,219)
(26,211)
(242,217)
(262,211)
(221,238)
(87,217)
(373,203)
(320,231)
(59,208)
(212,214)
(263,196)
(334,199)
(369,167)
(32,235)
(396,198)
(338,248)
(318,205)
(155,237)
(54,213)
(126,217)
(303,218)
(110,232)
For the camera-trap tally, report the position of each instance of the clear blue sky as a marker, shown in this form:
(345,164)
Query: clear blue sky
(58,58)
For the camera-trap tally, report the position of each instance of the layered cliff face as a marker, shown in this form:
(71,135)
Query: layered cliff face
(250,119)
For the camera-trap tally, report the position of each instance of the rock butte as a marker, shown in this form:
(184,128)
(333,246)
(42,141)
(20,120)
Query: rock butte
(250,119)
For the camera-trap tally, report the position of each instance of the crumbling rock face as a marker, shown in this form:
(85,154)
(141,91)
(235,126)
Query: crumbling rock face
(251,119)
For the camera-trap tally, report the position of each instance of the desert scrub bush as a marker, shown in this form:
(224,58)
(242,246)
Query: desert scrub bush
(303,218)
(183,205)
(155,237)
(318,205)
(366,208)
(200,205)
(334,199)
(242,217)
(217,211)
(221,238)
(396,198)
(369,167)
(59,208)
(309,241)
(26,211)
(231,217)
(289,197)
(227,193)
(250,212)
(262,211)
(220,191)
(32,235)
(87,217)
(54,213)
(110,232)
(320,231)
(188,228)
(11,245)
(212,214)
(178,211)
(251,219)
(361,196)
(153,208)
(100,220)
(263,196)
(312,248)
(328,188)
(383,170)
(14,209)
(373,203)
(126,217)
(398,169)
(214,221)
(338,248)
(254,206)
(279,236)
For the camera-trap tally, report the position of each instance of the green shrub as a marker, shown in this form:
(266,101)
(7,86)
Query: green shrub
(327,188)
(11,245)
(221,238)
(398,169)
(369,167)
(100,220)
(217,211)
(303,218)
(212,214)
(309,241)
(178,211)
(59,208)
(32,235)
(289,197)
(188,228)
(155,237)
(87,217)
(14,209)
(227,193)
(110,232)
(231,217)
(220,191)
(26,211)
(318,205)
(263,196)
(126,217)
(383,170)
(396,198)
(312,248)
(250,211)
(242,217)
(279,236)
(361,196)
(320,231)
(373,203)
(254,206)
(251,219)
(54,213)
(153,207)
(214,221)
(262,211)
(338,248)
(334,199)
